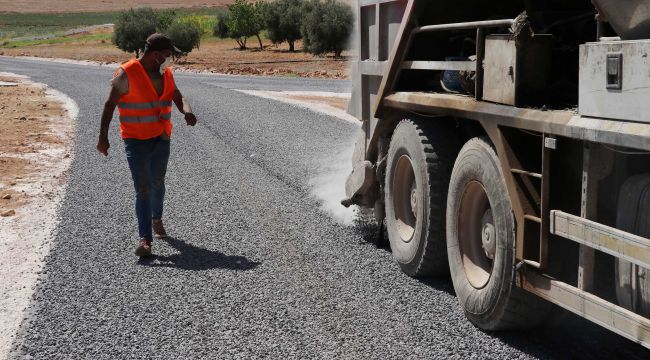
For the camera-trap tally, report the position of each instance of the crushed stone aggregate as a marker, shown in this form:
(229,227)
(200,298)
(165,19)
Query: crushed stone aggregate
(254,268)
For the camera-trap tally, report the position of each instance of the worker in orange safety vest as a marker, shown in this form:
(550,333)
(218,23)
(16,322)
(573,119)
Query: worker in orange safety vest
(143,90)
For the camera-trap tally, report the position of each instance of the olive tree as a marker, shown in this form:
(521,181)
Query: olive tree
(327,26)
(246,20)
(283,21)
(133,27)
(185,36)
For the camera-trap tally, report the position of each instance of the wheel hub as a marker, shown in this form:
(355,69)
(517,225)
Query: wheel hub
(414,200)
(488,235)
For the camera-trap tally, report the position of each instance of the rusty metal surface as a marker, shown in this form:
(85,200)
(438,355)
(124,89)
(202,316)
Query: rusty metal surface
(618,243)
(378,25)
(556,122)
(599,311)
(397,53)
(545,205)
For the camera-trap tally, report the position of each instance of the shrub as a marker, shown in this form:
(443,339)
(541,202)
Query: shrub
(221,27)
(133,27)
(327,27)
(185,36)
(165,19)
(283,21)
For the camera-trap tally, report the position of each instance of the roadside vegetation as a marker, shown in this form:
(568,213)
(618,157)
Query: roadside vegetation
(16,27)
(279,37)
(324,25)
(134,26)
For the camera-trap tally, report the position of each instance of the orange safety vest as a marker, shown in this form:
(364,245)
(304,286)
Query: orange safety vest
(144,114)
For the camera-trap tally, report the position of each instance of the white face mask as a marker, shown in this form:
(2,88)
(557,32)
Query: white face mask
(165,64)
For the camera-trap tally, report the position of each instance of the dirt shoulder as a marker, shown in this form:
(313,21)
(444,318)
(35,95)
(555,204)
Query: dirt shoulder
(332,104)
(36,136)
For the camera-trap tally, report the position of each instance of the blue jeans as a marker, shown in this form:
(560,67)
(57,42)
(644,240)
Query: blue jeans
(148,163)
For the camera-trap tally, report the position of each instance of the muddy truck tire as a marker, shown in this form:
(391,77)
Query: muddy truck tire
(420,159)
(481,244)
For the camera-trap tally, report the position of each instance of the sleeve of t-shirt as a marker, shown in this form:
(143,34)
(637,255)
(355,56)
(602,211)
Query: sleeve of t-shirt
(121,82)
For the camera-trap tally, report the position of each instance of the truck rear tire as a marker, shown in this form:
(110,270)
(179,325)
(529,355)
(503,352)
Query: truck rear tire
(420,158)
(481,244)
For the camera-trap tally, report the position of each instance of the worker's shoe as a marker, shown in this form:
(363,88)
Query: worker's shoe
(144,248)
(158,229)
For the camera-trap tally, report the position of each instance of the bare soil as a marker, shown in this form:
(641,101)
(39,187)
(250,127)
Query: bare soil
(335,102)
(36,133)
(25,130)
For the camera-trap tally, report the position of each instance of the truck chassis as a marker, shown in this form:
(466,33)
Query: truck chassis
(556,165)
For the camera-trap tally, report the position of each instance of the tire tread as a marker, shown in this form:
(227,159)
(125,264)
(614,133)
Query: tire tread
(440,147)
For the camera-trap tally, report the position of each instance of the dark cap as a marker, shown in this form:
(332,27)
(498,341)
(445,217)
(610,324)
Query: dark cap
(158,42)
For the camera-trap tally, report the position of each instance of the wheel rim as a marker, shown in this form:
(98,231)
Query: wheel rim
(405,198)
(477,235)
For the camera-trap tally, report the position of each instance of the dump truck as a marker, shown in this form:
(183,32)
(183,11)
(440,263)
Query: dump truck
(507,143)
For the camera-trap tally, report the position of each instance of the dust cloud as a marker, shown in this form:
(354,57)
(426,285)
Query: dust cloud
(329,186)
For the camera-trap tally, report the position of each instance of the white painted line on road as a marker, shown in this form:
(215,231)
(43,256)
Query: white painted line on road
(316,101)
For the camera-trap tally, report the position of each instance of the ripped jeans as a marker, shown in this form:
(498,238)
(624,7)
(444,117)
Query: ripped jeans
(148,163)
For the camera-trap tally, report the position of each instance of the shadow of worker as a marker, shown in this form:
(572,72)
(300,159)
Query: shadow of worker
(190,257)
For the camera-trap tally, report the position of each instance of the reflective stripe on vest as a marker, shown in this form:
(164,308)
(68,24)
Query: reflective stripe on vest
(144,106)
(145,119)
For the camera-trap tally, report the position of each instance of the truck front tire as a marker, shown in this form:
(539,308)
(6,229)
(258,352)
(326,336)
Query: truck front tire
(420,158)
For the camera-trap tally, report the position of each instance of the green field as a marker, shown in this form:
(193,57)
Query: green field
(21,25)
(27,25)
(55,40)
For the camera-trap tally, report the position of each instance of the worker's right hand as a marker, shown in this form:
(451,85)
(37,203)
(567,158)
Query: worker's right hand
(103,145)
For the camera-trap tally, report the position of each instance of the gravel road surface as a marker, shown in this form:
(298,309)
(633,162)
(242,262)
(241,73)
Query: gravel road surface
(254,268)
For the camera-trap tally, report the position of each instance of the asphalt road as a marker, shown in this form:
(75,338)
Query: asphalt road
(254,267)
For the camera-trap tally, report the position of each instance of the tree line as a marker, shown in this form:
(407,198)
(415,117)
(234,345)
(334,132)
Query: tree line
(323,25)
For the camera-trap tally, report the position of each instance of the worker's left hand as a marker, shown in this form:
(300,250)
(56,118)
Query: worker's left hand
(190,119)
